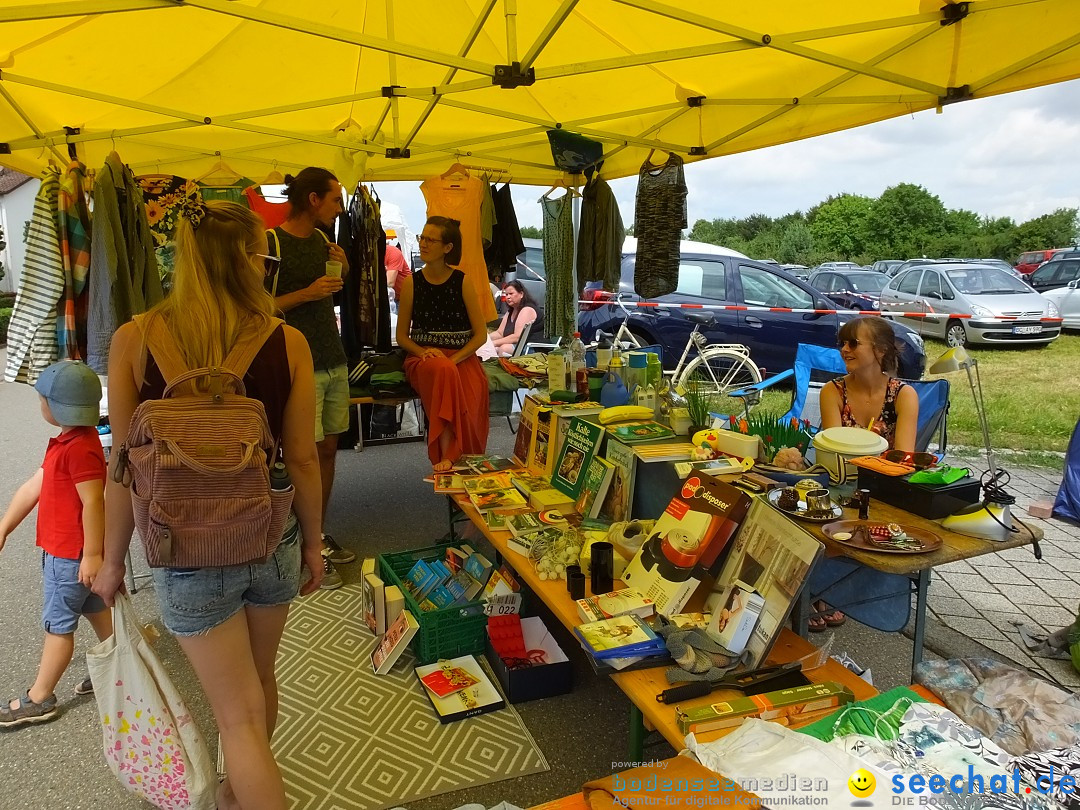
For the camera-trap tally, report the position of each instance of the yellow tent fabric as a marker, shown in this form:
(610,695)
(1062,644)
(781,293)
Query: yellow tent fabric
(400,89)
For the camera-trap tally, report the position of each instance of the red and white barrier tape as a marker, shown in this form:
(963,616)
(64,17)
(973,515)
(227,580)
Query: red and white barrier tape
(743,308)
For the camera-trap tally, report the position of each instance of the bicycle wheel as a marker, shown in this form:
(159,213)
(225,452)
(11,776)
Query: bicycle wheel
(727,371)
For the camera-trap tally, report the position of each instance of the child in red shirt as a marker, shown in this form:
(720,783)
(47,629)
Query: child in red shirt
(70,490)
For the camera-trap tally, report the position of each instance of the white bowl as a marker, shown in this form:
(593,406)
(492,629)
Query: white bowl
(833,448)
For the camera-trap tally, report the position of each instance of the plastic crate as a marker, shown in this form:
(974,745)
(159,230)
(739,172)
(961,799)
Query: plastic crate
(446,633)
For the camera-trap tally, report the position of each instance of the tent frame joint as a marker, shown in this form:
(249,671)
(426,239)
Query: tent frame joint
(955,94)
(397,153)
(69,131)
(389,91)
(695,101)
(695,151)
(510,76)
(954,12)
(5,149)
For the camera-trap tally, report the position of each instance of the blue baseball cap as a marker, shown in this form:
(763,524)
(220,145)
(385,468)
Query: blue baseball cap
(73,392)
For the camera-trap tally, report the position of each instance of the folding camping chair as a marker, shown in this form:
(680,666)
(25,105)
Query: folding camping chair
(933,415)
(814,366)
(519,349)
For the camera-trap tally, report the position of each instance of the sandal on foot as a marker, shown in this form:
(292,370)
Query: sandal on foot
(27,711)
(816,624)
(835,618)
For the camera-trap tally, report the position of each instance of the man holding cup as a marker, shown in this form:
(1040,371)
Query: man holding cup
(309,273)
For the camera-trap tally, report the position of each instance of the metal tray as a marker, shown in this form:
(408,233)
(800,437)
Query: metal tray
(860,539)
(823,517)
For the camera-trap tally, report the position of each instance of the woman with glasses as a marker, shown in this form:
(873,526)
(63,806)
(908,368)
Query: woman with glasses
(441,325)
(521,311)
(871,397)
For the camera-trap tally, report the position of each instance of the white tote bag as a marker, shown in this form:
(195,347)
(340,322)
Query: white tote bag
(151,741)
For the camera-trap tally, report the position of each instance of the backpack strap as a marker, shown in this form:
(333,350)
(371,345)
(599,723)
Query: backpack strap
(159,341)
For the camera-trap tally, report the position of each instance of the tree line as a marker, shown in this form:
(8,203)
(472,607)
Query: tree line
(906,221)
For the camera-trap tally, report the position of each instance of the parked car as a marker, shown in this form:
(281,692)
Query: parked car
(797,270)
(530,264)
(1067,300)
(1003,309)
(1031,259)
(850,289)
(906,265)
(1001,264)
(838,266)
(772,337)
(885,265)
(1054,274)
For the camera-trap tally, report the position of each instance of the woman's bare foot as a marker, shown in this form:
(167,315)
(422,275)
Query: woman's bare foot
(226,799)
(444,466)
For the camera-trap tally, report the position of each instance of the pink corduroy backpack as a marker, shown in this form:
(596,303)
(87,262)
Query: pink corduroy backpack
(198,461)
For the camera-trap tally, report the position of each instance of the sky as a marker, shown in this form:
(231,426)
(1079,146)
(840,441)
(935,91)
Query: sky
(1016,155)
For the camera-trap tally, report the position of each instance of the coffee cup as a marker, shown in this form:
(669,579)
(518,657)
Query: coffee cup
(333,269)
(818,500)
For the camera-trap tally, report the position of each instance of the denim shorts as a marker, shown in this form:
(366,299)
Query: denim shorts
(193,601)
(66,599)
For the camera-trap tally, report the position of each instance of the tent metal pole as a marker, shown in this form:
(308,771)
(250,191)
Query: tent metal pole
(478,26)
(50,11)
(575,202)
(1034,59)
(261,15)
(553,25)
(510,14)
(49,140)
(29,122)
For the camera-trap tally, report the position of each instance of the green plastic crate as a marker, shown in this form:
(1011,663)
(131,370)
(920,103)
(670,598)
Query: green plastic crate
(446,633)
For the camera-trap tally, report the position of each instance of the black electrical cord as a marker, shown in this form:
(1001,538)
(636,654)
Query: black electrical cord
(993,487)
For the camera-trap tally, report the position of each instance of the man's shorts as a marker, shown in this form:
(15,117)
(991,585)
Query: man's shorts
(66,599)
(194,601)
(331,402)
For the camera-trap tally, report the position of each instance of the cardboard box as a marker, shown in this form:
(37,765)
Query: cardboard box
(735,615)
(785,706)
(539,681)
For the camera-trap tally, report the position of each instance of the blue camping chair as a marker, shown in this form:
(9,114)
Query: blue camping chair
(933,415)
(814,366)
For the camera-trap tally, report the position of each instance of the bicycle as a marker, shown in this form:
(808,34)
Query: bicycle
(727,366)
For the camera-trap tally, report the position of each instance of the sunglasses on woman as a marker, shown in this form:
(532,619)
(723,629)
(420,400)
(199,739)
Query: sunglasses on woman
(851,343)
(920,461)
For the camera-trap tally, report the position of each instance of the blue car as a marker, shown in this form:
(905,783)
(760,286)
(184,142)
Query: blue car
(772,337)
(850,289)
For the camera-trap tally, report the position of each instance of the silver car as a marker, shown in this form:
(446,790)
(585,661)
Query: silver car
(1002,309)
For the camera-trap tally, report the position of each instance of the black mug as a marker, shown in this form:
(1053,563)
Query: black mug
(575,580)
(570,571)
(602,567)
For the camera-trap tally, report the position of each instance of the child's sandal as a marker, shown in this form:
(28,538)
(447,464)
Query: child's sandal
(27,711)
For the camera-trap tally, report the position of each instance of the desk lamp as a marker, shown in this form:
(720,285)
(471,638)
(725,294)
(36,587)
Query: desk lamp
(989,519)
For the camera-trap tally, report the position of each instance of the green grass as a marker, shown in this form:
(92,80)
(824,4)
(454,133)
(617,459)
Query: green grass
(1032,397)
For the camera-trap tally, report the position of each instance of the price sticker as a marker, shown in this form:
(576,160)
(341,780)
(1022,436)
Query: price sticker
(503,604)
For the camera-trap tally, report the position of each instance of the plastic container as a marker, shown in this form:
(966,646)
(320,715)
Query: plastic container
(446,633)
(834,447)
(741,445)
(603,354)
(636,372)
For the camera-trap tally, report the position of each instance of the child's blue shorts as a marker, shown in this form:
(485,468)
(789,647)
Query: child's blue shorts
(66,599)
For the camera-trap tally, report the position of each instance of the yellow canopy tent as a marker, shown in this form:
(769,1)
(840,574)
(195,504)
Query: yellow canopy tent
(400,89)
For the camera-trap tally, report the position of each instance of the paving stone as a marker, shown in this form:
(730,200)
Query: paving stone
(964,584)
(1050,618)
(1042,571)
(1018,554)
(952,606)
(985,601)
(1071,564)
(1012,652)
(989,561)
(1062,589)
(1062,672)
(1068,602)
(977,629)
(1005,576)
(939,587)
(958,567)
(1024,595)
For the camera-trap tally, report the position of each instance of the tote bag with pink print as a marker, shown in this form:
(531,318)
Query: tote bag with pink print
(151,741)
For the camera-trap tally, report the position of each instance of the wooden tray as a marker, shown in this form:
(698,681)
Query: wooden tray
(860,540)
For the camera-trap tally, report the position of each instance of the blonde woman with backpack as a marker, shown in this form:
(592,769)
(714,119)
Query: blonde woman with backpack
(228,619)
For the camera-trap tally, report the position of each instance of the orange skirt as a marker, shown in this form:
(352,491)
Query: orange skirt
(455,396)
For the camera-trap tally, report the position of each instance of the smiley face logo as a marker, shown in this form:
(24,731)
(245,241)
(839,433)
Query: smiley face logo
(861,783)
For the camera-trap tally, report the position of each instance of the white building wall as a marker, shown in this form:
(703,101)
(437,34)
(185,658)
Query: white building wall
(16,207)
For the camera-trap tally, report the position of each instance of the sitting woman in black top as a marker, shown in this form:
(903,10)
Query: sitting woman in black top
(441,325)
(521,311)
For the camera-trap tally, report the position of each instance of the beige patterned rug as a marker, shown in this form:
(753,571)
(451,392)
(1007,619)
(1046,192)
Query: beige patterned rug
(347,738)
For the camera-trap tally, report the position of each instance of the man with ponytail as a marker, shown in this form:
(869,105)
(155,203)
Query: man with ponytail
(304,292)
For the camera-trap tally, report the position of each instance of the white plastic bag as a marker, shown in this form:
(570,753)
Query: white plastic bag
(151,741)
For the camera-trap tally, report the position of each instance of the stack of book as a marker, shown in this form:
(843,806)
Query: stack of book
(454,580)
(381,604)
(619,637)
(459,688)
